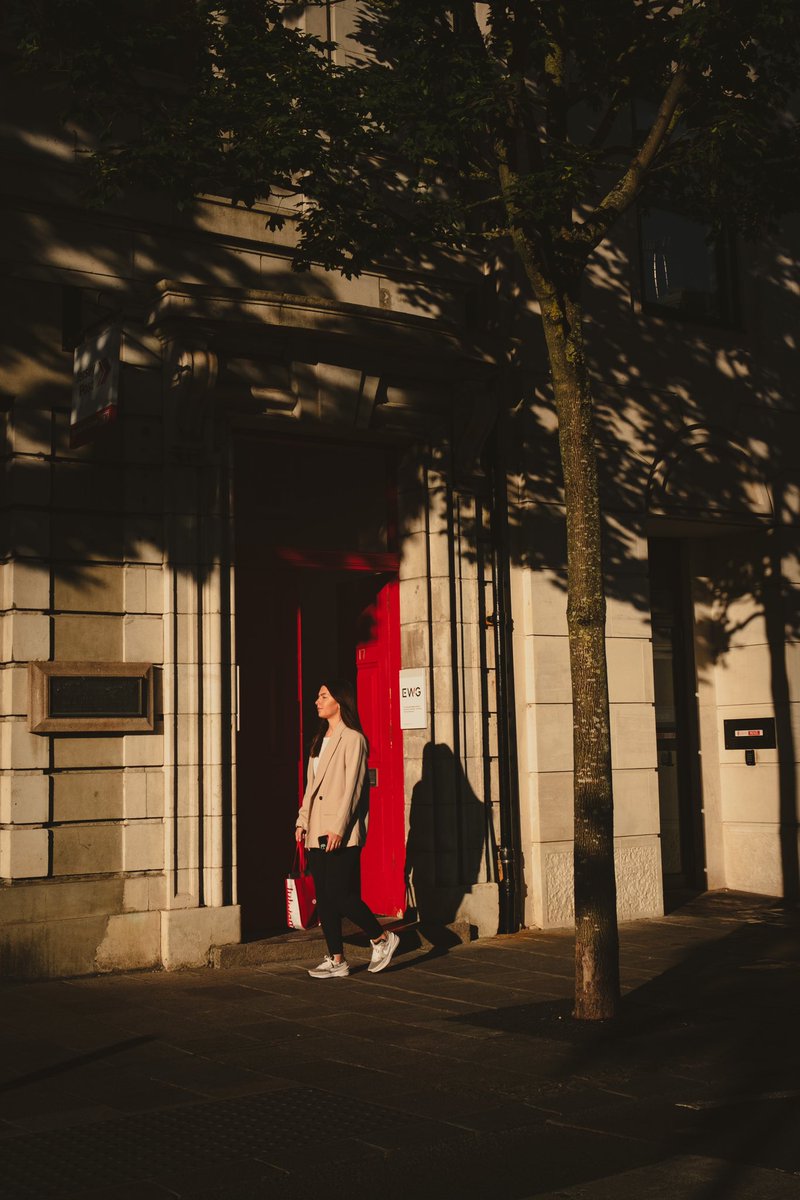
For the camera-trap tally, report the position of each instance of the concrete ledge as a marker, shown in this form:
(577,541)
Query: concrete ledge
(83,945)
(188,934)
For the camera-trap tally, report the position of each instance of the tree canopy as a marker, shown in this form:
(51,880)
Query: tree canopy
(438,123)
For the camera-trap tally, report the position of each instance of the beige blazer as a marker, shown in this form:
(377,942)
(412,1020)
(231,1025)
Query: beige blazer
(337,800)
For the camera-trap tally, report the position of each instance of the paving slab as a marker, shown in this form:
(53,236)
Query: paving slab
(685,1176)
(459,1072)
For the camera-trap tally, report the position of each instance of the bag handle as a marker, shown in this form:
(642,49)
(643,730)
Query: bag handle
(299,859)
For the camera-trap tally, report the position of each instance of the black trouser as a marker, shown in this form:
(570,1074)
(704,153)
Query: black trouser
(337,879)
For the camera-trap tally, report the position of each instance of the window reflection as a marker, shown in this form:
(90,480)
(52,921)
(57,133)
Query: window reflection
(684,269)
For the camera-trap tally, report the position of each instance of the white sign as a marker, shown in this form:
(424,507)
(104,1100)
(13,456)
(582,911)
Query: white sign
(95,383)
(413,699)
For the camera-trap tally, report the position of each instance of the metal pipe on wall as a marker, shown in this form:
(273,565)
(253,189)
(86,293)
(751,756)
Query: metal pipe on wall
(509,858)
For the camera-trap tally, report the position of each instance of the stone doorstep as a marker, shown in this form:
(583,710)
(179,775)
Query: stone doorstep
(306,943)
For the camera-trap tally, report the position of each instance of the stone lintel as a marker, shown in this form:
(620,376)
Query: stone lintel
(325,328)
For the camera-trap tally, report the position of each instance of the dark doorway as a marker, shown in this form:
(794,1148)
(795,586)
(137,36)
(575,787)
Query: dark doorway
(316,599)
(679,787)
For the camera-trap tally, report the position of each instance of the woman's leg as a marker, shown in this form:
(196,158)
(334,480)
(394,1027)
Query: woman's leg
(344,890)
(319,864)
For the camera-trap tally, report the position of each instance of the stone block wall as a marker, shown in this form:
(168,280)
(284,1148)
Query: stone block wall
(451,765)
(81,816)
(728,493)
(746,593)
(544,719)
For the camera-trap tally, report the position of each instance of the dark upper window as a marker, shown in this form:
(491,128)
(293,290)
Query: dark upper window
(685,270)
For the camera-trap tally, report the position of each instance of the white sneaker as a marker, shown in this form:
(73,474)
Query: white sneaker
(328,969)
(382,952)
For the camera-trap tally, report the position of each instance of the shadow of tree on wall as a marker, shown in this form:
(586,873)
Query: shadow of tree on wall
(697,432)
(656,378)
(749,600)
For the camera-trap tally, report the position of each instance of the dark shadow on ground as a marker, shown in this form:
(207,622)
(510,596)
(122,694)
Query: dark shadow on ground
(718,1030)
(72,1064)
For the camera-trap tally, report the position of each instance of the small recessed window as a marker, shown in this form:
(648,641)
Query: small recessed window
(685,270)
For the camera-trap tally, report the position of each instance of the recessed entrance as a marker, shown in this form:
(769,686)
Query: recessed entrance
(682,857)
(316,599)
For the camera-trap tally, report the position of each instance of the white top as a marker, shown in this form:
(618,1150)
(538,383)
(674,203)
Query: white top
(316,761)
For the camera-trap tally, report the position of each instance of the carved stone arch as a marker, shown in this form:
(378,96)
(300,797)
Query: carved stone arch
(704,474)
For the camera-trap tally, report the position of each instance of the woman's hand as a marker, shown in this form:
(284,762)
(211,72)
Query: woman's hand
(299,834)
(334,841)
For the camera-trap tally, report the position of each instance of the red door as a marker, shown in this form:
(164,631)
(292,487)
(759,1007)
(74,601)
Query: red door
(377,666)
(302,590)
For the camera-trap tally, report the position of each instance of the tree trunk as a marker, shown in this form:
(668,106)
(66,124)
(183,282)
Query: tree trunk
(596,940)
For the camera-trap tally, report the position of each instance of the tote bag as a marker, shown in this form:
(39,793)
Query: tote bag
(301,899)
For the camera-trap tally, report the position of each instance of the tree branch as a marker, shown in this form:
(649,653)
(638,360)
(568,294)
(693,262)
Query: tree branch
(533,258)
(555,79)
(624,192)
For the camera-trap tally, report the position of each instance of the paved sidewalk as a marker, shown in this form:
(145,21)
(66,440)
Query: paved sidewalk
(456,1074)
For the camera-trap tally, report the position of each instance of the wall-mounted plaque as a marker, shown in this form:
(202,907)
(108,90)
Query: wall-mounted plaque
(90,697)
(750,733)
(413,698)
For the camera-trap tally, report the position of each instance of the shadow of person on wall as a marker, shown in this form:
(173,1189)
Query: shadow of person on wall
(448,843)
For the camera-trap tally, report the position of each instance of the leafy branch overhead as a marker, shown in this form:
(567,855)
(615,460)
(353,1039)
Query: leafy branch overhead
(450,122)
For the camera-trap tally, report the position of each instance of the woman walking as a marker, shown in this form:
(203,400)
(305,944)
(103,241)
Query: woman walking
(332,820)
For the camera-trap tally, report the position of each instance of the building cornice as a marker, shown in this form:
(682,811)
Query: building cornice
(316,328)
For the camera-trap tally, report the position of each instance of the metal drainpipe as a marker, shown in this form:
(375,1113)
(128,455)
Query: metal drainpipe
(508,852)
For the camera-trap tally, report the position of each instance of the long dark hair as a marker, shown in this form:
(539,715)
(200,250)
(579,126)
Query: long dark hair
(345,697)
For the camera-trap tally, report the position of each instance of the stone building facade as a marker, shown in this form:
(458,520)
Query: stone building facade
(311,476)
